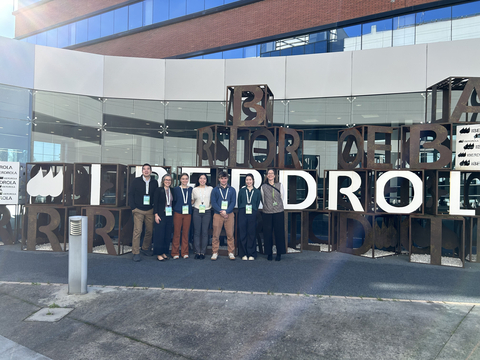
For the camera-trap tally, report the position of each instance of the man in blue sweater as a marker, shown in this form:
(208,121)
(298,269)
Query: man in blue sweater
(223,202)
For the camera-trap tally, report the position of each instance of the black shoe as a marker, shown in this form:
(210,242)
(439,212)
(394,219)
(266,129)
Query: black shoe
(202,256)
(146,252)
(278,257)
(137,257)
(197,257)
(269,257)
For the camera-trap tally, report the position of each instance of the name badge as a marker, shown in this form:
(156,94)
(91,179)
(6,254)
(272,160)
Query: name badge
(185,210)
(224,205)
(248,209)
(146,199)
(201,209)
(275,203)
(168,211)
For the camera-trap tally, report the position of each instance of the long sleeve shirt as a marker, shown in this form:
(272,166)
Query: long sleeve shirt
(137,191)
(179,195)
(220,194)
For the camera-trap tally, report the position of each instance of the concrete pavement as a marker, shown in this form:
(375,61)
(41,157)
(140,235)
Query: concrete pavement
(308,306)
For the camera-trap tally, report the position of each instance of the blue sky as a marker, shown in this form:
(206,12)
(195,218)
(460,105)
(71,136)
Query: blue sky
(7,20)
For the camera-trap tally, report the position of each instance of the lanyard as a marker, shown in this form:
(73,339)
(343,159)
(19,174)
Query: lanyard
(185,195)
(168,196)
(273,194)
(226,195)
(249,201)
(203,194)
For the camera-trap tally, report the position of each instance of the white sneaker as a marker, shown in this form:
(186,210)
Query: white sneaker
(231,256)
(176,257)
(251,258)
(245,257)
(185,256)
(214,256)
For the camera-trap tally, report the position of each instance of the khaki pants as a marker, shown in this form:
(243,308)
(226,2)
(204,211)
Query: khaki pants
(139,217)
(218,223)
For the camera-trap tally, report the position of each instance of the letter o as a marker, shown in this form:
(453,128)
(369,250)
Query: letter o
(417,189)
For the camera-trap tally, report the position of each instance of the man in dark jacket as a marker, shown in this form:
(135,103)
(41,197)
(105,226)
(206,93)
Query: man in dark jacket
(140,199)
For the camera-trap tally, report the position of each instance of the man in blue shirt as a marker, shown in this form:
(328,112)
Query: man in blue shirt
(223,202)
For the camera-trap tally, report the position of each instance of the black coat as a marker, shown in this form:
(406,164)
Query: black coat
(137,192)
(160,201)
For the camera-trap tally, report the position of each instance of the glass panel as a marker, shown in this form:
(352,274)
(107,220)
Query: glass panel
(213,3)
(266,47)
(73,31)
(404,30)
(233,54)
(275,53)
(41,38)
(320,47)
(106,27)
(320,36)
(135,15)
(177,8)
(310,48)
(52,37)
(377,34)
(433,26)
(147,12)
(63,36)
(15,125)
(94,27)
(160,10)
(81,34)
(121,20)
(466,21)
(229,1)
(286,52)
(345,39)
(194,6)
(251,51)
(218,55)
(32,39)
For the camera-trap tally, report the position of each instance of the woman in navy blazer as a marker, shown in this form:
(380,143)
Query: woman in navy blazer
(162,210)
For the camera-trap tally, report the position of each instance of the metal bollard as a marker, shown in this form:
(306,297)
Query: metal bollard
(77,254)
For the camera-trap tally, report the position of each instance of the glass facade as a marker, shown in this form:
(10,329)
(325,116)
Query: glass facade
(47,126)
(444,24)
(116,21)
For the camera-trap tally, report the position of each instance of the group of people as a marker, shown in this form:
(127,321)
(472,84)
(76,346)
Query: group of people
(171,209)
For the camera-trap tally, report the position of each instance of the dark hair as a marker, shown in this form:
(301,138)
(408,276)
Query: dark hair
(249,174)
(265,180)
(198,182)
(146,164)
(223,174)
(184,174)
(163,179)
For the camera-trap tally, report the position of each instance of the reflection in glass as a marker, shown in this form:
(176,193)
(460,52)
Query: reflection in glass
(377,34)
(466,21)
(345,39)
(433,26)
(404,30)
(52,37)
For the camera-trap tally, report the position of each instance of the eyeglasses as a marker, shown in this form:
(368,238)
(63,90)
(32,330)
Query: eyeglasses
(167,180)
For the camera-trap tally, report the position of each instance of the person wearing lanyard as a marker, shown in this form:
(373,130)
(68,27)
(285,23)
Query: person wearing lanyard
(140,199)
(182,211)
(201,215)
(223,202)
(162,210)
(273,215)
(248,201)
